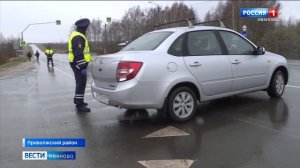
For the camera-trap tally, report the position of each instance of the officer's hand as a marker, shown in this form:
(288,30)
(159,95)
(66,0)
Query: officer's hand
(83,72)
(82,66)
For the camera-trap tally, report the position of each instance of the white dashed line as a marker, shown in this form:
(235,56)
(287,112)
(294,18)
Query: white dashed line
(269,128)
(298,87)
(108,108)
(64,72)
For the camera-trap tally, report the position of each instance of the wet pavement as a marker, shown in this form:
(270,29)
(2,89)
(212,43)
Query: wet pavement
(244,131)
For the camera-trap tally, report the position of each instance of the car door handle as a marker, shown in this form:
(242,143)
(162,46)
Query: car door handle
(195,64)
(236,62)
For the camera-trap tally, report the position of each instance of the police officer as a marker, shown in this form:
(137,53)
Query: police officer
(79,57)
(49,53)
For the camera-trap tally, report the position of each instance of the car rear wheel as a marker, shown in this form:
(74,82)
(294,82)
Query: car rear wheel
(277,85)
(182,104)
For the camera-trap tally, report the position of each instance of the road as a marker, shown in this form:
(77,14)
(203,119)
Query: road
(244,131)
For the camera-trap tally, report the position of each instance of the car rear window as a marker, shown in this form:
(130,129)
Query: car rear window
(149,41)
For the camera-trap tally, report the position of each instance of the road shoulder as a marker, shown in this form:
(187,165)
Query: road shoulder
(15,66)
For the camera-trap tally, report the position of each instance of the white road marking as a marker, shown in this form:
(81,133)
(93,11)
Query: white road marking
(167,132)
(64,72)
(257,124)
(298,87)
(69,75)
(175,163)
(108,108)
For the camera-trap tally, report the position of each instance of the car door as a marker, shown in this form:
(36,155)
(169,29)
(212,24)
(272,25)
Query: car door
(249,70)
(205,59)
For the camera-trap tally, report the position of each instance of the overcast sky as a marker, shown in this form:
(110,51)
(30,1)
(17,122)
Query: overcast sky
(16,15)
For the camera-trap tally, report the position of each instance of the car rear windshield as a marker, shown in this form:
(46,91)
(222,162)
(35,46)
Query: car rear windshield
(149,41)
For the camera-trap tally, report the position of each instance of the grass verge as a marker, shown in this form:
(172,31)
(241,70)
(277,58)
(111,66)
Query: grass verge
(13,62)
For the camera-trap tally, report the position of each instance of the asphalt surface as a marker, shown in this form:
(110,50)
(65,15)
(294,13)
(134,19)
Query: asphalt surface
(245,131)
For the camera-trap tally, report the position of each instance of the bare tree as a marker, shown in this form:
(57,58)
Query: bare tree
(2,38)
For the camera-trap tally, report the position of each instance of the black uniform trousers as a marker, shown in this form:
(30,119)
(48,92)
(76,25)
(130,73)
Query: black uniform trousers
(49,59)
(80,85)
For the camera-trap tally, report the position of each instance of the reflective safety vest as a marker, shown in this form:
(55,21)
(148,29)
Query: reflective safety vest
(49,51)
(86,50)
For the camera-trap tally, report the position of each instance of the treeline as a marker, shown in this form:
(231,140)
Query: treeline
(284,39)
(280,37)
(104,37)
(7,48)
(134,23)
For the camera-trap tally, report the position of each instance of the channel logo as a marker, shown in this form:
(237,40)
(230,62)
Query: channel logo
(259,12)
(34,155)
(48,155)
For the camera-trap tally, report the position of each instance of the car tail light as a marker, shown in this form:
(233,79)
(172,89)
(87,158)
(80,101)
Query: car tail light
(128,70)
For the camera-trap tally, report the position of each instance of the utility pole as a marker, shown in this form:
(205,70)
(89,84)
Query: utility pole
(105,38)
(158,11)
(58,22)
(120,21)
(232,7)
(108,20)
(158,15)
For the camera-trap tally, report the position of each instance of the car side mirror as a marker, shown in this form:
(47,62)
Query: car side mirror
(260,51)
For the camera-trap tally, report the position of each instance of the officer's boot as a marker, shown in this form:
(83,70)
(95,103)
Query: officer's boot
(75,102)
(82,108)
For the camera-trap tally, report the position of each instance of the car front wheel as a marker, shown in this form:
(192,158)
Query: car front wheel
(182,104)
(277,85)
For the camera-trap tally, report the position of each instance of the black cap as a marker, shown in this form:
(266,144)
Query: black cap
(82,22)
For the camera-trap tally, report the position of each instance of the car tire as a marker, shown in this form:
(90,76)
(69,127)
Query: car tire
(277,85)
(181,104)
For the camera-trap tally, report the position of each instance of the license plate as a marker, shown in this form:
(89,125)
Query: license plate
(103,99)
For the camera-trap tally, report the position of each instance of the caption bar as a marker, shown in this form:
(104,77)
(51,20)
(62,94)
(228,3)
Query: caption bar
(53,142)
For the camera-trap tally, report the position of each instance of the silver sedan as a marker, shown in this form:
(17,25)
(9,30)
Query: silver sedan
(173,69)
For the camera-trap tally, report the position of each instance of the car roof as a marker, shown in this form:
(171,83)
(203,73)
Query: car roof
(185,29)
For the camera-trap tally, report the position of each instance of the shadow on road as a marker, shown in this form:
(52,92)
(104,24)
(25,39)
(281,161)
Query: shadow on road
(51,70)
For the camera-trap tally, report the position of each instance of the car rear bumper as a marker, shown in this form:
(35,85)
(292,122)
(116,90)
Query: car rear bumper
(132,95)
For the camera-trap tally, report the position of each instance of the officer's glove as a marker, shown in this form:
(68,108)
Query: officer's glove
(83,72)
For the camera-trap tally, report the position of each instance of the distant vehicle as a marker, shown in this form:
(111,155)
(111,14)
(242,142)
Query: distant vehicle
(174,68)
